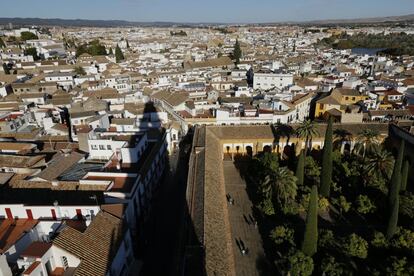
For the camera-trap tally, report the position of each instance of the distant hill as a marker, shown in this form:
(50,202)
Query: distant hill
(90,23)
(122,23)
(394,19)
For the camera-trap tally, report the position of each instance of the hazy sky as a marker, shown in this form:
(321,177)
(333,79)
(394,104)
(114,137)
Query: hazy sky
(236,11)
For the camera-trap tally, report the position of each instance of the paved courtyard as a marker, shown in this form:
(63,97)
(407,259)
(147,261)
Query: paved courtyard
(241,211)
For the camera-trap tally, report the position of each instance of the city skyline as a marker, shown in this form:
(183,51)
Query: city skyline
(186,11)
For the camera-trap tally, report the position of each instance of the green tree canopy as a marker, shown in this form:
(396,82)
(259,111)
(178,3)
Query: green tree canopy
(331,267)
(407,205)
(379,163)
(281,234)
(281,188)
(300,169)
(365,205)
(31,52)
(310,238)
(237,52)
(119,56)
(80,71)
(326,173)
(307,130)
(356,246)
(94,48)
(366,141)
(300,264)
(28,36)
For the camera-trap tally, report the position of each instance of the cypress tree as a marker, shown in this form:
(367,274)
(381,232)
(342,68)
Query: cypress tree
(404,175)
(394,193)
(310,238)
(127,44)
(300,169)
(326,172)
(118,54)
(237,53)
(110,51)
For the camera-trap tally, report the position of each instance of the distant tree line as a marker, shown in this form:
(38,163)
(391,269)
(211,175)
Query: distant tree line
(223,30)
(394,43)
(180,33)
(93,48)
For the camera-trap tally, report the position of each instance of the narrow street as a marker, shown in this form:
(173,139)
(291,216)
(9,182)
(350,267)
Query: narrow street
(161,255)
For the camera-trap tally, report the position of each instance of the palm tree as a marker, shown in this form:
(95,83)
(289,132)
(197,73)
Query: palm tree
(282,187)
(306,130)
(379,162)
(341,136)
(283,130)
(366,141)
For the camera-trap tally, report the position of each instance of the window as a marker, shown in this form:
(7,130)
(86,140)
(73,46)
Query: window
(353,98)
(346,98)
(101,147)
(109,147)
(94,147)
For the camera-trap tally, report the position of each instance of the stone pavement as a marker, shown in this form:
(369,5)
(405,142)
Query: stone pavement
(249,264)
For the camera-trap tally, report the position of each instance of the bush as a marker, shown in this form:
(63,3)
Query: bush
(379,240)
(323,204)
(364,205)
(403,240)
(282,234)
(399,267)
(407,205)
(356,246)
(266,207)
(326,238)
(300,264)
(342,204)
(330,267)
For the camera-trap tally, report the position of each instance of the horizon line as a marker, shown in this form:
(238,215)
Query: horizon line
(213,22)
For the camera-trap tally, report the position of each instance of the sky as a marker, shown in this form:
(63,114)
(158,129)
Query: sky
(208,11)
